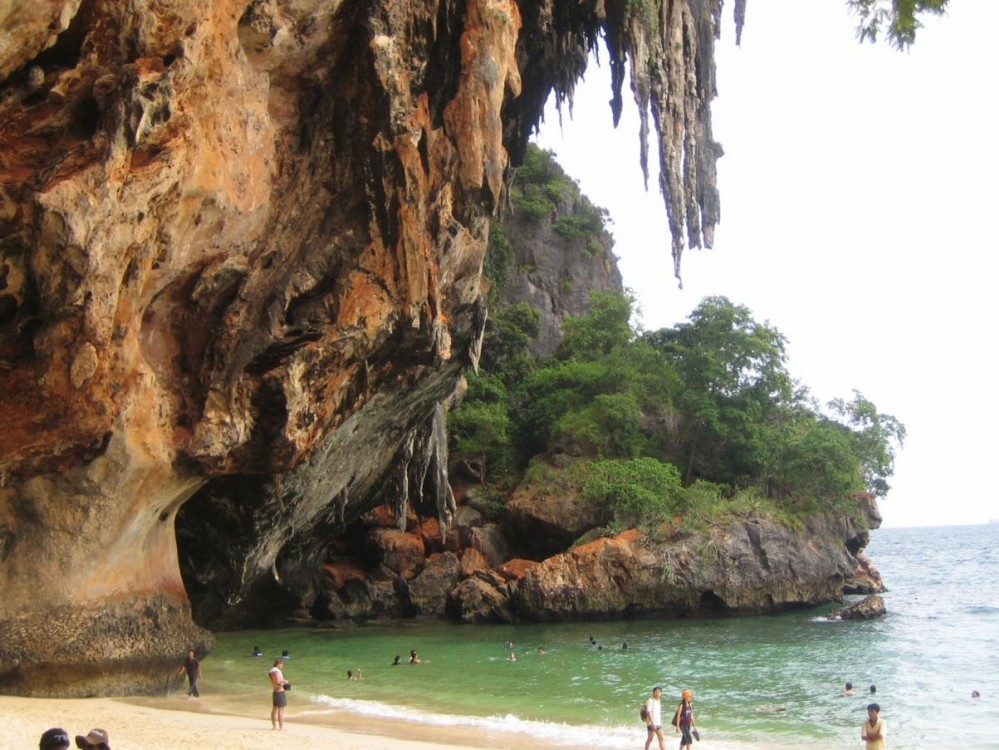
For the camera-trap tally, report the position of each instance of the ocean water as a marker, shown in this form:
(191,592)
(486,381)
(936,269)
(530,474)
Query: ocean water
(936,645)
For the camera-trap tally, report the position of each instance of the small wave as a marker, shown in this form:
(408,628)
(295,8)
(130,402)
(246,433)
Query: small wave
(982,609)
(607,737)
(549,733)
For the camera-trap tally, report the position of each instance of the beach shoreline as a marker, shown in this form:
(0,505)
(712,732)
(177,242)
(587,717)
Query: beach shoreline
(136,723)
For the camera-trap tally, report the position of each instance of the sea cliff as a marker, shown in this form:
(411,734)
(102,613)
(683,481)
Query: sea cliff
(243,244)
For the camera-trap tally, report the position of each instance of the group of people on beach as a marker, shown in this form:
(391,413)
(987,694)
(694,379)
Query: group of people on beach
(873,732)
(683,719)
(279,685)
(58,739)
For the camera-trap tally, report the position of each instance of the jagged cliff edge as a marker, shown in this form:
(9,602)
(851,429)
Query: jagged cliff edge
(247,238)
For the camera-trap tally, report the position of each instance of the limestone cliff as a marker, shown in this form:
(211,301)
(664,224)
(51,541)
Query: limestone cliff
(555,274)
(245,239)
(338,569)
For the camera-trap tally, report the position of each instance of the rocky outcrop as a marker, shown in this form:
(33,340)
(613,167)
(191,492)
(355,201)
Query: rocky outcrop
(241,243)
(869,608)
(543,525)
(576,569)
(866,579)
(750,567)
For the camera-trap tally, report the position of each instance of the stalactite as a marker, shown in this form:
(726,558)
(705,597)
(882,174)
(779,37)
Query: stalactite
(443,495)
(402,505)
(429,461)
(681,89)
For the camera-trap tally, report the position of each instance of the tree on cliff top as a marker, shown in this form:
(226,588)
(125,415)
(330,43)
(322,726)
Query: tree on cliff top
(898,21)
(711,395)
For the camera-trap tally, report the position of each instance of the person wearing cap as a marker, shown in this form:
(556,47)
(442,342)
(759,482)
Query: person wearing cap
(54,739)
(874,731)
(654,719)
(95,739)
(279,696)
(685,719)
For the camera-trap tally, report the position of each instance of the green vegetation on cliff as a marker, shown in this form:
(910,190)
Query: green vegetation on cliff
(693,422)
(897,20)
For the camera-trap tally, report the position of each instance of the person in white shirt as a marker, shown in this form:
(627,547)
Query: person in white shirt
(654,719)
(279,697)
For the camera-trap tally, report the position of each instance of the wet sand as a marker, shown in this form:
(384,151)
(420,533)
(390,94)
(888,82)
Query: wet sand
(153,724)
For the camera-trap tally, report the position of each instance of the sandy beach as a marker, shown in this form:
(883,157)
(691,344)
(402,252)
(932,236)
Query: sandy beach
(153,724)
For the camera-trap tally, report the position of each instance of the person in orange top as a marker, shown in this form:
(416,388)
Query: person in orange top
(685,719)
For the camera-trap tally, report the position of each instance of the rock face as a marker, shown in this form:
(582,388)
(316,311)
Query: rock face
(542,557)
(869,608)
(245,240)
(750,567)
(555,275)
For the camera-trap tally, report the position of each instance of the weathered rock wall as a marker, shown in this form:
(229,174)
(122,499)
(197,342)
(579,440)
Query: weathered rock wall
(749,567)
(246,238)
(549,557)
(556,275)
(242,240)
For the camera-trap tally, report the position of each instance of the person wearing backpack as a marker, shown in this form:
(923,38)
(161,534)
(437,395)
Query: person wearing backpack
(653,717)
(683,719)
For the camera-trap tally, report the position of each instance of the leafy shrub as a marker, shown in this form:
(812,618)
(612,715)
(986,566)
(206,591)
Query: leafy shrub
(640,492)
(499,258)
(481,428)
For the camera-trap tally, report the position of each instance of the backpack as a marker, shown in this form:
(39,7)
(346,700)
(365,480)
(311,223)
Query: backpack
(643,713)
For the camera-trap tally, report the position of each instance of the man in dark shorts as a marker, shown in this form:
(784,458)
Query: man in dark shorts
(279,696)
(192,666)
(654,719)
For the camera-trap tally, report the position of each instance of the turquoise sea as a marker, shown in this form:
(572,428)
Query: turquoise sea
(938,643)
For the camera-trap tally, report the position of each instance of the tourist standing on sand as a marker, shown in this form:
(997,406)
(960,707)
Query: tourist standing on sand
(654,719)
(192,666)
(279,696)
(873,731)
(685,719)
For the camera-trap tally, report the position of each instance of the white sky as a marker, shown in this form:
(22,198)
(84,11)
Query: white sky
(858,193)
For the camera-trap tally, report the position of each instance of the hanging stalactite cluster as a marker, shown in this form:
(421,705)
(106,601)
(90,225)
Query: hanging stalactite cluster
(666,47)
